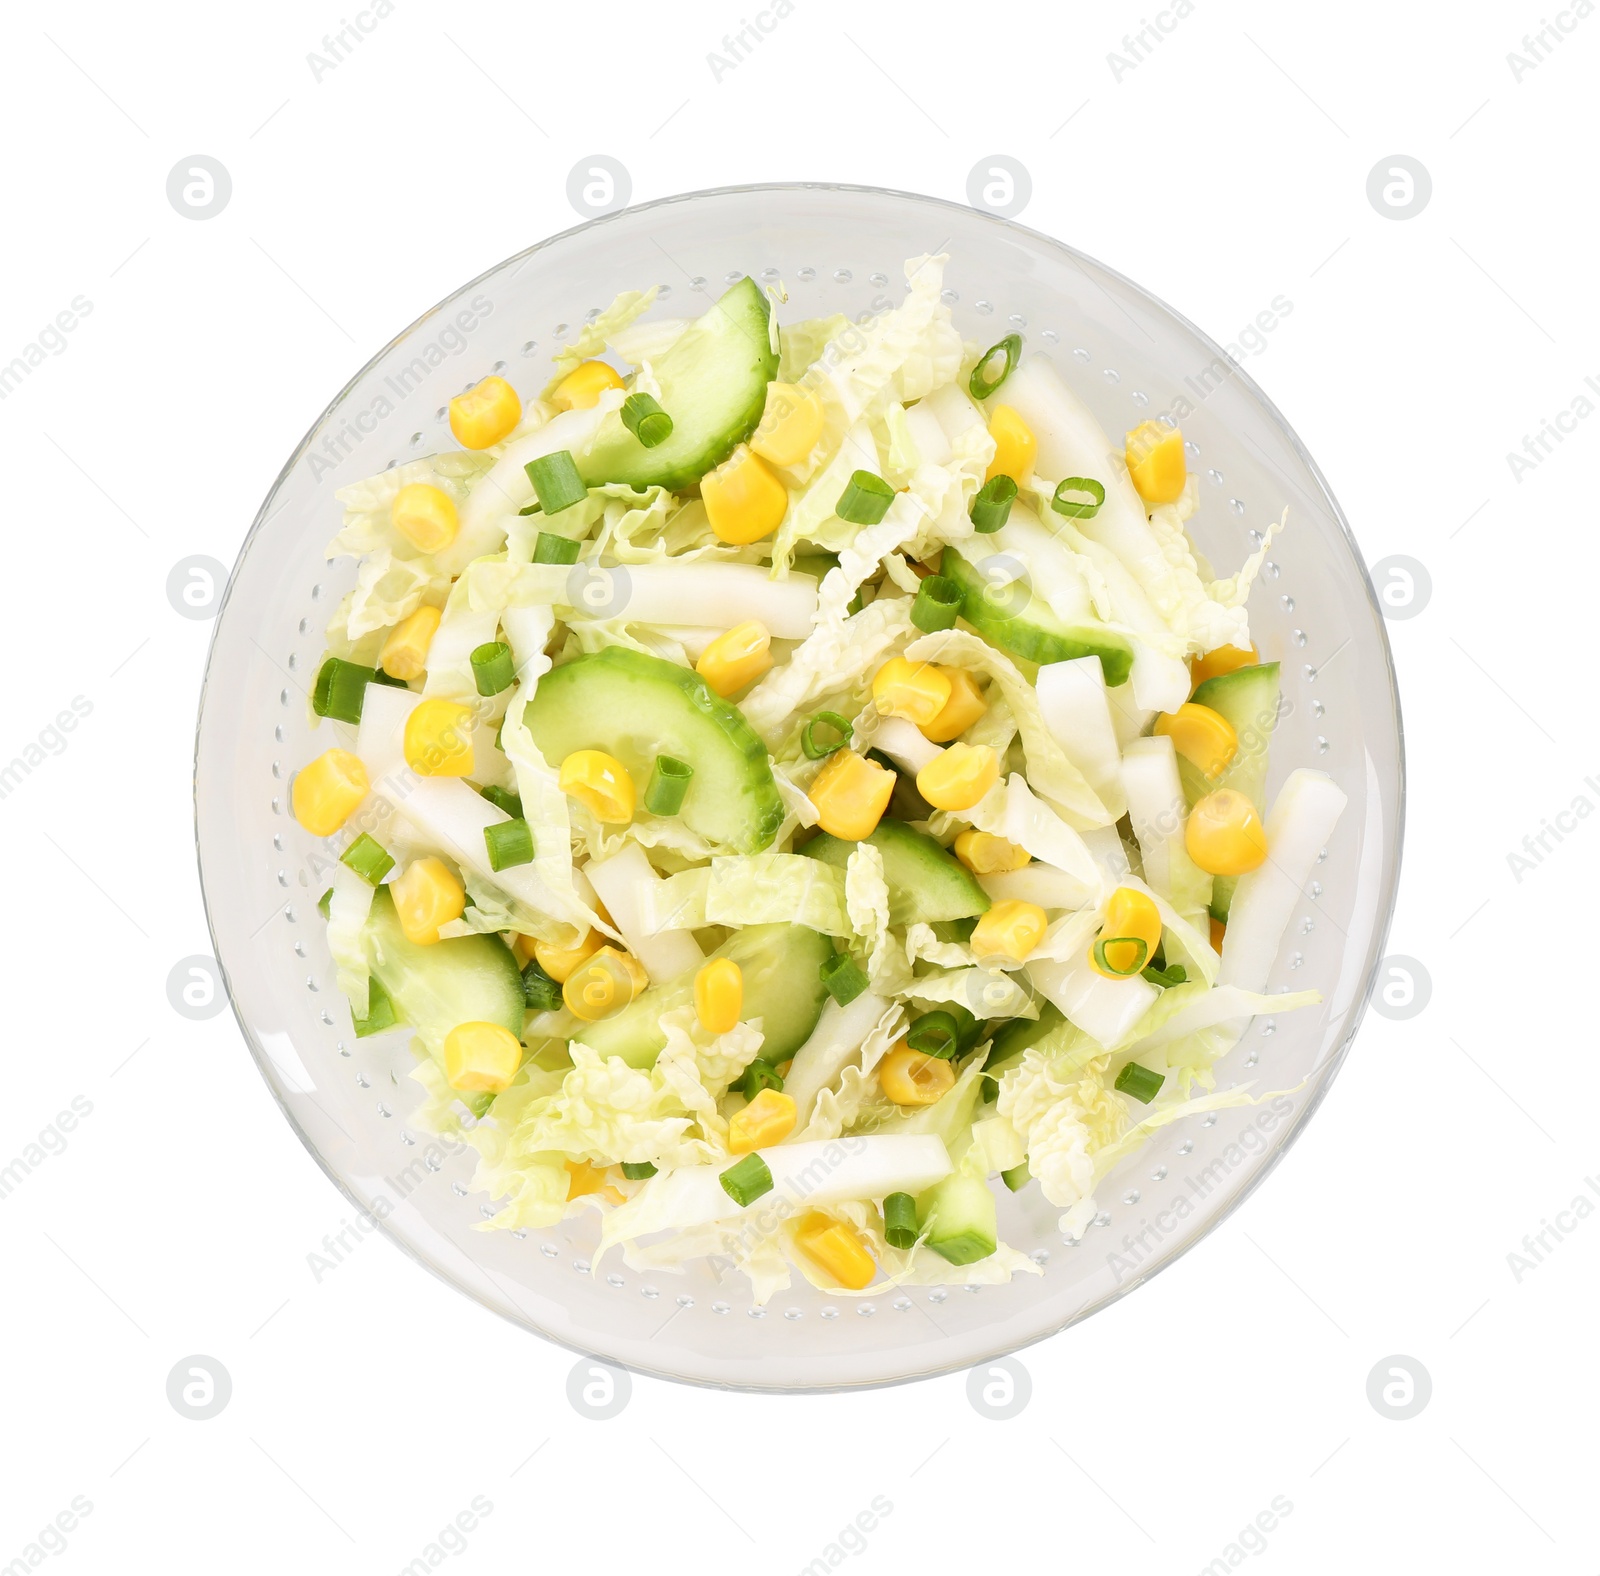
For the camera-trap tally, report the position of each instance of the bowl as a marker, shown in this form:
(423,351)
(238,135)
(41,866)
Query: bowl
(835,248)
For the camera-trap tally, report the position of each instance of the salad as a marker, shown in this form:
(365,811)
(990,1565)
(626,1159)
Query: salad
(792,782)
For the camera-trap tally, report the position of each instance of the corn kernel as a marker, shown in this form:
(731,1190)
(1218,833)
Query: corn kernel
(559,962)
(719,995)
(603,985)
(744,500)
(768,1119)
(405,652)
(837,1249)
(1155,462)
(736,658)
(1203,737)
(427,894)
(987,855)
(965,706)
(1224,835)
(1220,660)
(1219,930)
(917,691)
(910,1078)
(327,790)
(485,414)
(425,516)
(601,783)
(438,739)
(1131,918)
(582,387)
(1016,450)
(850,794)
(584,1179)
(1009,930)
(481,1058)
(959,777)
(790,426)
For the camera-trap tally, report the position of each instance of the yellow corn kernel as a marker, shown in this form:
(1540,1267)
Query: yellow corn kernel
(1009,930)
(1224,835)
(1016,450)
(910,1078)
(917,691)
(719,995)
(790,425)
(603,985)
(744,500)
(837,1249)
(485,414)
(1222,659)
(481,1058)
(1203,737)
(425,516)
(584,1179)
(559,962)
(1155,462)
(768,1119)
(737,658)
(405,652)
(328,789)
(987,855)
(522,948)
(850,794)
(959,777)
(582,387)
(965,706)
(438,739)
(601,783)
(427,894)
(1131,917)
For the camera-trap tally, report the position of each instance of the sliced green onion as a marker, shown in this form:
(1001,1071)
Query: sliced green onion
(380,1011)
(380,677)
(938,604)
(643,416)
(368,858)
(1106,967)
(1075,508)
(325,902)
(865,499)
(814,749)
(556,480)
(509,843)
(757,1076)
(503,799)
(340,689)
(637,1170)
(1139,1082)
(747,1180)
(669,782)
(1167,977)
(541,993)
(843,980)
(991,504)
(900,1220)
(934,1034)
(492,667)
(553,549)
(1017,1177)
(979,384)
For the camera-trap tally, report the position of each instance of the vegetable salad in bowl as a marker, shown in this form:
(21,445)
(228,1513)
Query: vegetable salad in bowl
(791,780)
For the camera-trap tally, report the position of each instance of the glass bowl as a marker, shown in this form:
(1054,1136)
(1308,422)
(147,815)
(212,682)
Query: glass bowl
(835,248)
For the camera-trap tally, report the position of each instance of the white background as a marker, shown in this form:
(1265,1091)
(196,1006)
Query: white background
(1227,168)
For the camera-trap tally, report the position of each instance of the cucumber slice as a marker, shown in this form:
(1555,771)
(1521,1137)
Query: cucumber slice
(925,883)
(960,1219)
(1249,699)
(467,979)
(713,383)
(1021,623)
(783,987)
(637,707)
